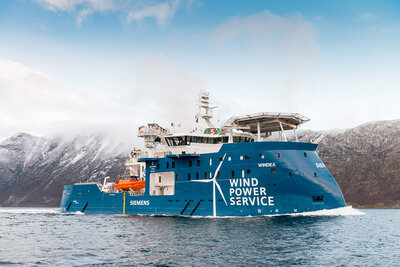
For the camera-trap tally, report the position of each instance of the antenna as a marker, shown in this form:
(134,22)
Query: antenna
(205,111)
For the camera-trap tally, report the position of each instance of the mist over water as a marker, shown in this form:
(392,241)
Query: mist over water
(46,237)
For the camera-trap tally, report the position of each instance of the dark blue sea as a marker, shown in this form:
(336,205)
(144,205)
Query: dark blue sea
(35,237)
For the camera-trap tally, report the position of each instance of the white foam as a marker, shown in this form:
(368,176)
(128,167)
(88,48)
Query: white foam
(345,211)
(79,213)
(30,210)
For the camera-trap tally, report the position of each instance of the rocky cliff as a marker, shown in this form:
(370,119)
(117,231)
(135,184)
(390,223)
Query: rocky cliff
(364,160)
(33,169)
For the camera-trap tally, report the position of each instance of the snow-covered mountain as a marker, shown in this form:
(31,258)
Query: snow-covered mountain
(33,169)
(364,160)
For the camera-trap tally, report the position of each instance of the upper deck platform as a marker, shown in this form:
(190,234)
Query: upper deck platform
(267,122)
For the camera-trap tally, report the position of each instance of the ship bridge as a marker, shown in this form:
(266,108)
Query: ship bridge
(264,124)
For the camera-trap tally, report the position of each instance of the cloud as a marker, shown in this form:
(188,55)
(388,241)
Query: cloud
(161,12)
(161,91)
(81,8)
(158,90)
(291,40)
(134,10)
(279,47)
(30,99)
(82,14)
(72,5)
(367,17)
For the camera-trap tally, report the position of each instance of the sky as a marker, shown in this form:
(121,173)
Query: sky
(70,66)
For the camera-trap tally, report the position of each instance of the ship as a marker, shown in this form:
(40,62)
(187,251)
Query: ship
(245,167)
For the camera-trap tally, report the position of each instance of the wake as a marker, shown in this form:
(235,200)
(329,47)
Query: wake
(30,210)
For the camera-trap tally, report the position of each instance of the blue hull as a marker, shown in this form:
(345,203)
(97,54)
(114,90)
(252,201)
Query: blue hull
(260,178)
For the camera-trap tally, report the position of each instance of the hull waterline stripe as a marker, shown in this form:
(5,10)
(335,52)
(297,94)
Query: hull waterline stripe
(184,208)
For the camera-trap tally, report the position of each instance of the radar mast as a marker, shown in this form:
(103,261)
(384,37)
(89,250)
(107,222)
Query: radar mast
(205,111)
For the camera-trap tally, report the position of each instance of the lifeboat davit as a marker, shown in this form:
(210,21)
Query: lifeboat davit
(130,184)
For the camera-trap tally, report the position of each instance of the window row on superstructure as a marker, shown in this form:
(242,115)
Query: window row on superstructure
(229,158)
(188,139)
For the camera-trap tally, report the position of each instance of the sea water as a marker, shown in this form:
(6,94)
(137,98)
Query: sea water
(344,237)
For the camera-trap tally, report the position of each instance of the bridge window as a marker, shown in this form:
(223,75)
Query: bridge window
(305,154)
(190,163)
(248,171)
(233,174)
(187,140)
(189,176)
(167,165)
(273,170)
(173,164)
(197,176)
(205,175)
(158,165)
(198,163)
(247,157)
(242,139)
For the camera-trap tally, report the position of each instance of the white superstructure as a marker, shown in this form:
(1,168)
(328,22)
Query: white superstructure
(207,138)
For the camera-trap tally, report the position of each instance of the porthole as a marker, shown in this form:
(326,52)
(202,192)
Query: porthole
(318,198)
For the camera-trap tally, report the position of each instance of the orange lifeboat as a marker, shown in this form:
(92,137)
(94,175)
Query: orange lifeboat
(130,184)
